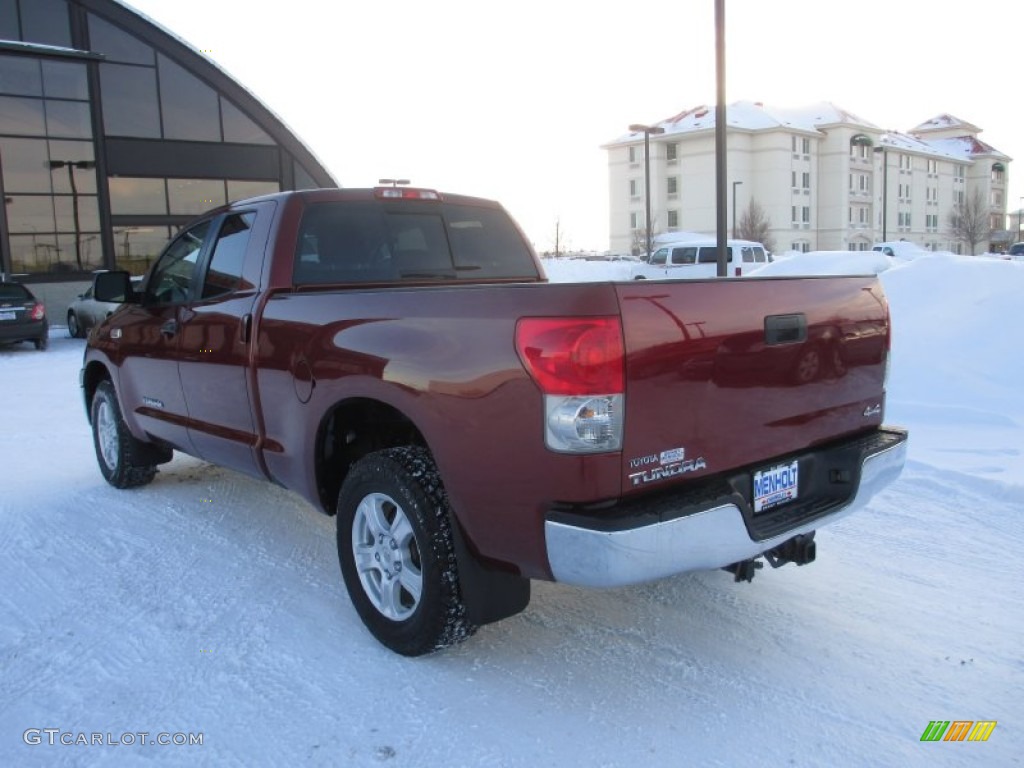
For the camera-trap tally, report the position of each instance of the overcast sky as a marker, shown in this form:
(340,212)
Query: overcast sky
(512,101)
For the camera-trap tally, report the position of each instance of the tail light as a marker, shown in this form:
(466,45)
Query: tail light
(579,365)
(38,312)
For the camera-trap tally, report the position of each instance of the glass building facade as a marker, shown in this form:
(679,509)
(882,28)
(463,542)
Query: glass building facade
(114,133)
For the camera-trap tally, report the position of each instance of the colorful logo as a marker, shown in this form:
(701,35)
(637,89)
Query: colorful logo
(958,730)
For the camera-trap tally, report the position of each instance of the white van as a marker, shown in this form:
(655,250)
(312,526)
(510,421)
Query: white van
(901,249)
(689,259)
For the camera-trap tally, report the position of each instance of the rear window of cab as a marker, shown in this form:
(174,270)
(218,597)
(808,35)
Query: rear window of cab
(364,241)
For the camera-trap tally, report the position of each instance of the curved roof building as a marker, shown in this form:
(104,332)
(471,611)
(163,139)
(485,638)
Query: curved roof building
(114,132)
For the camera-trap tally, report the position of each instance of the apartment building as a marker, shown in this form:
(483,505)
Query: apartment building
(825,178)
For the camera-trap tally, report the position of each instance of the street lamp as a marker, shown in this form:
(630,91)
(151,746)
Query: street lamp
(83,165)
(885,192)
(647,131)
(1020,212)
(734,185)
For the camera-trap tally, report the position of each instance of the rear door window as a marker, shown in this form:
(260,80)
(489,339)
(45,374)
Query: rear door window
(709,255)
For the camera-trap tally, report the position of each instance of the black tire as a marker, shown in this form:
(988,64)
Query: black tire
(75,330)
(125,462)
(393,508)
(41,343)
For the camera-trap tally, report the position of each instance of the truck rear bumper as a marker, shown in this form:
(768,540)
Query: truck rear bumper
(669,535)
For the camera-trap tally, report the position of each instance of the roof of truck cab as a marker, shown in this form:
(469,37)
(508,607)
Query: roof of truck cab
(338,194)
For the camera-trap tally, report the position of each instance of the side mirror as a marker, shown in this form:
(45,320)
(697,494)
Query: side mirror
(113,286)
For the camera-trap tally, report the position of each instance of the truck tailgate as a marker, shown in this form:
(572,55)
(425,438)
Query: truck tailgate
(724,374)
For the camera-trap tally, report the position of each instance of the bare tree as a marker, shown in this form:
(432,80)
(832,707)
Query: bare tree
(638,242)
(755,225)
(969,221)
(638,239)
(560,240)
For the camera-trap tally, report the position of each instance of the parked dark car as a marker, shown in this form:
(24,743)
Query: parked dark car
(22,316)
(1017,249)
(85,312)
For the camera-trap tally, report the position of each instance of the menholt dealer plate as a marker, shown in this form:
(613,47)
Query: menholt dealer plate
(776,485)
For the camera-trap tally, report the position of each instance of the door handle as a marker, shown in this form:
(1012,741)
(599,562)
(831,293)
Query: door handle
(169,328)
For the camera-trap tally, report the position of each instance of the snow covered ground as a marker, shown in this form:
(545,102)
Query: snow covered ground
(211,603)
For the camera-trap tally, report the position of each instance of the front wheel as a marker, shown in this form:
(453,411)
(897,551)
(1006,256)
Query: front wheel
(396,552)
(125,462)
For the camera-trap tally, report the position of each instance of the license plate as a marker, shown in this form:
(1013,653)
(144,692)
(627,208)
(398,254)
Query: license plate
(8,316)
(776,485)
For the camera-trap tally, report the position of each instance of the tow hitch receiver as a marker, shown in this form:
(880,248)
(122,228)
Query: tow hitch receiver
(800,550)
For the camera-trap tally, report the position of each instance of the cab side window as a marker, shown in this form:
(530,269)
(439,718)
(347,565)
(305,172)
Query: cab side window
(172,277)
(659,256)
(225,272)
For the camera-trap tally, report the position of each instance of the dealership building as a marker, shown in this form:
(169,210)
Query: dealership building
(114,133)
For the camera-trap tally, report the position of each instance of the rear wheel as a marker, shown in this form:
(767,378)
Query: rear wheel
(396,552)
(125,462)
(74,327)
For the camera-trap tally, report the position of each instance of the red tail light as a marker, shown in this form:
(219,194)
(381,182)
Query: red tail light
(573,355)
(38,312)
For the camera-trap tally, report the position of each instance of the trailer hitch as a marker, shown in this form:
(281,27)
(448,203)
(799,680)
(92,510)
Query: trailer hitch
(800,550)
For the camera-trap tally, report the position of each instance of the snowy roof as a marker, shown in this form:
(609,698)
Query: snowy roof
(969,147)
(907,143)
(944,122)
(755,116)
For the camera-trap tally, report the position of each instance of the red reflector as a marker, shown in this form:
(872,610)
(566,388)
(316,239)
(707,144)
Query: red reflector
(405,193)
(38,312)
(573,355)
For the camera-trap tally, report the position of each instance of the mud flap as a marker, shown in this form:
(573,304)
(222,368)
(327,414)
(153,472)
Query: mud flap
(489,595)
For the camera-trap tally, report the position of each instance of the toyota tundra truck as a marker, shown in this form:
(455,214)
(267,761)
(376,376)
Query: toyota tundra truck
(397,357)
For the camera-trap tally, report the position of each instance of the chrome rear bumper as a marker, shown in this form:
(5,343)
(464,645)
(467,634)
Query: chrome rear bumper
(708,539)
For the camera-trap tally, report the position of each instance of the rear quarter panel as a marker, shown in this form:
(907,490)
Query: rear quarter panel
(446,358)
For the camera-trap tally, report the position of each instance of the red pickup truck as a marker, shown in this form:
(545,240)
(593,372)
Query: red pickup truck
(397,357)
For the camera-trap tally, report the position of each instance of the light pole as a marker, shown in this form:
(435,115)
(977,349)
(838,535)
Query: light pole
(1020,212)
(71,165)
(734,185)
(885,192)
(647,131)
